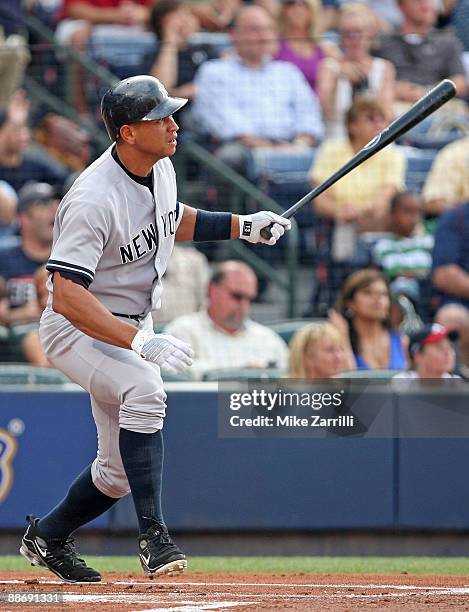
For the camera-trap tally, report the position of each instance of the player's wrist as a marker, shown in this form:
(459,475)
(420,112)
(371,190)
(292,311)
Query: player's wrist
(245,226)
(142,336)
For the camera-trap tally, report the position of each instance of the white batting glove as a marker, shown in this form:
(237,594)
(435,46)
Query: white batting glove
(170,353)
(250,227)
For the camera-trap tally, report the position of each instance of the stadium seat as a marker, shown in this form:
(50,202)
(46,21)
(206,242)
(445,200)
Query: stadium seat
(226,374)
(419,162)
(288,328)
(25,374)
(373,374)
(181,377)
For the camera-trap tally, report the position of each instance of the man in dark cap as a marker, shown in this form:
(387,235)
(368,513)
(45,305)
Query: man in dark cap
(21,256)
(431,352)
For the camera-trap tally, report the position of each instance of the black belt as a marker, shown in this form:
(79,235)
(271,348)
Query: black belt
(137,318)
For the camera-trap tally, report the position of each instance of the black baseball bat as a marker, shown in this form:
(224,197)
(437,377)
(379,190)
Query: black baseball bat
(424,107)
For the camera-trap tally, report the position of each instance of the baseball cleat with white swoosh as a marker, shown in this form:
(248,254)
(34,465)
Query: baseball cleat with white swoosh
(159,554)
(58,555)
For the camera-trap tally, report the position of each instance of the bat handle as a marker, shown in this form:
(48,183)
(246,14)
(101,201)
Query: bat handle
(265,231)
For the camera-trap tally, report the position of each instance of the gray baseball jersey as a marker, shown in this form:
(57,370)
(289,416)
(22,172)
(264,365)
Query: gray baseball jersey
(113,232)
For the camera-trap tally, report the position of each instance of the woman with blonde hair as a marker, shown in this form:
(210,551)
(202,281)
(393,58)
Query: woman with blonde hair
(318,351)
(357,72)
(299,25)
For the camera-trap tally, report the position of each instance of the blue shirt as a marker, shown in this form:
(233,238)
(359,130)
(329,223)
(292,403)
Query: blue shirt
(397,360)
(273,101)
(452,244)
(18,270)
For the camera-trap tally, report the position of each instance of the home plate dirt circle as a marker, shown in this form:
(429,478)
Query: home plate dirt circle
(196,592)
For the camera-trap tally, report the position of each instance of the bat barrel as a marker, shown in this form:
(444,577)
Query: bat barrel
(428,104)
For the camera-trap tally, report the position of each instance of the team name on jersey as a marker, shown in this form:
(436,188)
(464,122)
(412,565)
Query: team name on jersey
(142,243)
(169,223)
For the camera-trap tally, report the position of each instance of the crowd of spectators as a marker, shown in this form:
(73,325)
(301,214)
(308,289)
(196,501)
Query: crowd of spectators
(281,76)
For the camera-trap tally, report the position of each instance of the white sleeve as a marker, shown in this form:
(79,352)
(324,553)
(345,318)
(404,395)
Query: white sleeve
(80,235)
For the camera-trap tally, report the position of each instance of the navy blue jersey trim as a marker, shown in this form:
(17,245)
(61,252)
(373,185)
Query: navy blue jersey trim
(54,264)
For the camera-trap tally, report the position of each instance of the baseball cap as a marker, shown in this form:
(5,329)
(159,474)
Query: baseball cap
(432,332)
(35,193)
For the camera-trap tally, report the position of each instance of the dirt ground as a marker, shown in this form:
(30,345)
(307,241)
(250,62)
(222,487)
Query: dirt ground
(196,592)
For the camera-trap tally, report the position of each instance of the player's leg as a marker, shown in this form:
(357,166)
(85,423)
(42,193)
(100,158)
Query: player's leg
(116,376)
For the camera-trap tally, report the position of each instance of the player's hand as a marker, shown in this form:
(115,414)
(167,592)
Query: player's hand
(170,353)
(250,227)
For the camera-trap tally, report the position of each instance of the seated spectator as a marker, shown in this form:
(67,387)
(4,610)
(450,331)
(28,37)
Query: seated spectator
(359,201)
(19,163)
(64,141)
(223,335)
(421,55)
(8,201)
(431,353)
(79,17)
(249,100)
(31,344)
(19,260)
(185,284)
(177,58)
(357,73)
(218,15)
(299,23)
(455,317)
(387,13)
(14,52)
(447,183)
(405,256)
(317,351)
(451,256)
(362,316)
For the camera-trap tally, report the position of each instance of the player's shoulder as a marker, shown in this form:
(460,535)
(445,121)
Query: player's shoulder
(95,186)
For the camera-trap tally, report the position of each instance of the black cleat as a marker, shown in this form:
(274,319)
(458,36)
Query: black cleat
(58,555)
(159,554)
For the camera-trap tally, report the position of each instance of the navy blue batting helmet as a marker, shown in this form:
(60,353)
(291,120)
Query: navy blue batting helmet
(138,98)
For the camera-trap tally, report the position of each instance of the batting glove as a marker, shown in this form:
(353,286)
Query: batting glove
(170,353)
(250,227)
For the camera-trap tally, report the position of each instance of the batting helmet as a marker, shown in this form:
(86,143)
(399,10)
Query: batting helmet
(138,98)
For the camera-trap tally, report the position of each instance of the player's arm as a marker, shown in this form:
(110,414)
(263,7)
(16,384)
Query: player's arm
(203,226)
(87,314)
(74,302)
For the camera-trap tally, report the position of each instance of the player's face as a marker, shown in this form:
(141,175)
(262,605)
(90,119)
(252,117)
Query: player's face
(156,138)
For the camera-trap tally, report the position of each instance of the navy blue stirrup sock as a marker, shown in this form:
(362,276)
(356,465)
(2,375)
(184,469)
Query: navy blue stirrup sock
(83,503)
(142,456)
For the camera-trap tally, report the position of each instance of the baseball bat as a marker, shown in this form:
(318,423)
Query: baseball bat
(429,103)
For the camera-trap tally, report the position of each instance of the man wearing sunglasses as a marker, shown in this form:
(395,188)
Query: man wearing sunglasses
(223,336)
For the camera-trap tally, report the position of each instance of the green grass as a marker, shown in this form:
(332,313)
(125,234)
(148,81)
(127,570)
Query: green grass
(282,565)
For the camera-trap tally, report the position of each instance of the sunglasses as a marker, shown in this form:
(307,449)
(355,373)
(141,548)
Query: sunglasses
(238,296)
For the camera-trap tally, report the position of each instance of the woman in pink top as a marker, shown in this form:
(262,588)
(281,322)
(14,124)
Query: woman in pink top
(299,24)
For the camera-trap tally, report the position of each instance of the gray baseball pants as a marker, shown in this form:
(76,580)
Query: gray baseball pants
(126,391)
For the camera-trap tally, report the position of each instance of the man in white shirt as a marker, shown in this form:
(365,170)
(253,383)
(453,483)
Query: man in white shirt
(248,100)
(431,352)
(223,335)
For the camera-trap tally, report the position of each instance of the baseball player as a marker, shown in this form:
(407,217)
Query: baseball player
(113,236)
